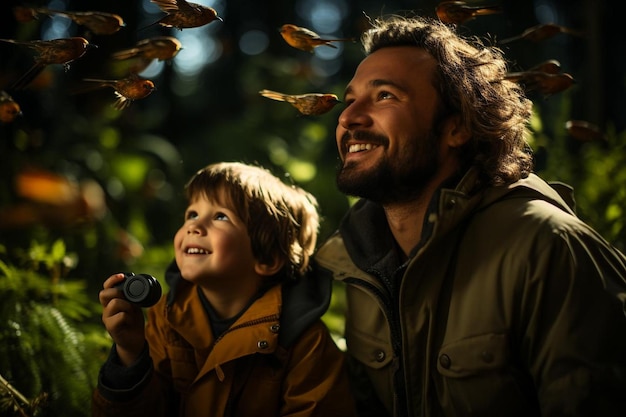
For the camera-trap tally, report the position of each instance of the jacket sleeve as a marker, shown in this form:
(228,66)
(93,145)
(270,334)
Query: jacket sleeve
(316,382)
(575,341)
(136,391)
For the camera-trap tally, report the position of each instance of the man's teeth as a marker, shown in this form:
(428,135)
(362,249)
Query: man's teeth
(196,250)
(361,147)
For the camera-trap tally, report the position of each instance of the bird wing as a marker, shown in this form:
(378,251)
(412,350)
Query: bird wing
(126,53)
(307,33)
(168,6)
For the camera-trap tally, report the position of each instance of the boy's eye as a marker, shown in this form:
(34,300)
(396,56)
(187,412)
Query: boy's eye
(190,215)
(221,216)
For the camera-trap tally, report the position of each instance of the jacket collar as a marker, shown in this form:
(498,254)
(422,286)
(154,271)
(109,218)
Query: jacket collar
(301,302)
(369,242)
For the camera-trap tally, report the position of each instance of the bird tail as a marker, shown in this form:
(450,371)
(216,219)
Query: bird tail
(148,26)
(342,40)
(28,77)
(49,12)
(89,84)
(273,95)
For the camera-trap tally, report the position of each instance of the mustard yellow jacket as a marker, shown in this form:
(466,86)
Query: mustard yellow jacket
(511,306)
(277,359)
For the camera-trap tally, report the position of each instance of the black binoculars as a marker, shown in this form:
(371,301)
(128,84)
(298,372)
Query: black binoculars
(141,289)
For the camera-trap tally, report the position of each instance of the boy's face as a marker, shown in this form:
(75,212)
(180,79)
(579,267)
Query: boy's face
(213,248)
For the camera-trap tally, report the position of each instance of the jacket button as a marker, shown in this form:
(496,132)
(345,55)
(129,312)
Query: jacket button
(445,361)
(274,328)
(379,355)
(262,344)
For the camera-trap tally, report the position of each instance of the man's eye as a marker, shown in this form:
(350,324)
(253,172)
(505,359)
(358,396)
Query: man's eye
(384,95)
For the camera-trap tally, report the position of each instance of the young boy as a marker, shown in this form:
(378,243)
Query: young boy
(239,333)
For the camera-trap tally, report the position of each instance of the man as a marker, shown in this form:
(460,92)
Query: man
(472,287)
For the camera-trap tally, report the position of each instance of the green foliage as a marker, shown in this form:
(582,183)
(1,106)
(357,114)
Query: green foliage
(47,340)
(595,169)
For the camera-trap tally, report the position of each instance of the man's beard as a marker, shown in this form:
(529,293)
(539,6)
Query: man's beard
(396,181)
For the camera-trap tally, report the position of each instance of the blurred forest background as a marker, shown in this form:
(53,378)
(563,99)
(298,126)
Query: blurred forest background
(88,190)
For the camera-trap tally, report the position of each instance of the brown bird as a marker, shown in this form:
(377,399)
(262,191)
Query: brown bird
(126,89)
(9,109)
(182,14)
(98,23)
(158,47)
(551,66)
(305,39)
(543,82)
(584,131)
(541,32)
(162,48)
(458,12)
(55,51)
(311,104)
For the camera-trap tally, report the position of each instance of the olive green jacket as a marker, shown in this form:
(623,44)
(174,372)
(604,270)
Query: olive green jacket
(511,306)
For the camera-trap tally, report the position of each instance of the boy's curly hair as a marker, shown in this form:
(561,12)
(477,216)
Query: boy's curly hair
(470,81)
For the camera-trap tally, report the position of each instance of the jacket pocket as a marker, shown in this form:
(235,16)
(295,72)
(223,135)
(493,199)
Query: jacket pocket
(479,378)
(473,355)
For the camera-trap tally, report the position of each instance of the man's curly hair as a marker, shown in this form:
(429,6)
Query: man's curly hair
(470,81)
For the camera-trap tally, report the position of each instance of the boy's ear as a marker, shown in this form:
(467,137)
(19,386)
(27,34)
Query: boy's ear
(268,269)
(455,133)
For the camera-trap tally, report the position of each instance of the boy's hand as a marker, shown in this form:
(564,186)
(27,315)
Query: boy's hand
(123,320)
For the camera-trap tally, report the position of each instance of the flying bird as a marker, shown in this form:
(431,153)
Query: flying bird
(56,51)
(162,48)
(126,89)
(311,104)
(584,131)
(98,23)
(305,39)
(541,32)
(543,82)
(9,108)
(458,12)
(182,14)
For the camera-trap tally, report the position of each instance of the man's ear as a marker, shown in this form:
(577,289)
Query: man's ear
(454,132)
(269,269)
